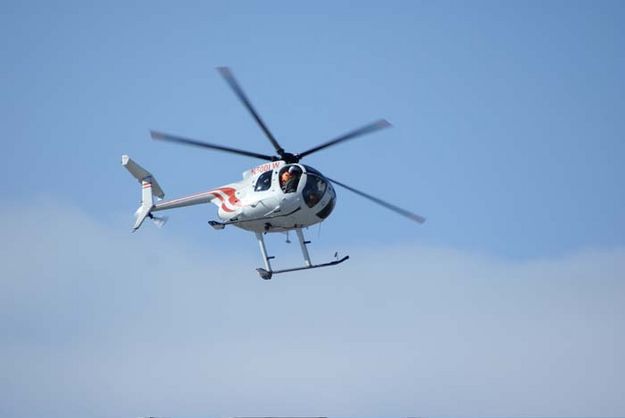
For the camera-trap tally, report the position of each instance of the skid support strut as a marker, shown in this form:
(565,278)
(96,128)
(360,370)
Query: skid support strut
(302,245)
(266,258)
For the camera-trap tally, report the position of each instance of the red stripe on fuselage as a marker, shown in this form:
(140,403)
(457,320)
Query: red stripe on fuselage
(231,198)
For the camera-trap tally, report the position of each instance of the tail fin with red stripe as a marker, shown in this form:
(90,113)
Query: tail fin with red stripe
(149,189)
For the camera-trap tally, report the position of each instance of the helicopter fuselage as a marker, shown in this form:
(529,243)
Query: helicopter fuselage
(264,202)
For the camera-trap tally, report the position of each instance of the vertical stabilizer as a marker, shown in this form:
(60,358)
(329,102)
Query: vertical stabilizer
(149,189)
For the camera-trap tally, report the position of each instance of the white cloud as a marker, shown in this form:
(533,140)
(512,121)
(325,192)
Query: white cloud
(99,322)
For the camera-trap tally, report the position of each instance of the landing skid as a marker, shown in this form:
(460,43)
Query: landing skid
(266,275)
(267,272)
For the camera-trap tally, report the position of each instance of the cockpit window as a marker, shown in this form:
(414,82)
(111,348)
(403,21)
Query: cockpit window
(314,189)
(289,178)
(264,182)
(309,169)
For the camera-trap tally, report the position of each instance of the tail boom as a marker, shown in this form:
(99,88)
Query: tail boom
(151,188)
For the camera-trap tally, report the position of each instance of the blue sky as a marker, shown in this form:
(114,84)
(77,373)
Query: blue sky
(508,136)
(507,117)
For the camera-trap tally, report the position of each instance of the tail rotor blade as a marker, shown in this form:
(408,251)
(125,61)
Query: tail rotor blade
(408,214)
(159,221)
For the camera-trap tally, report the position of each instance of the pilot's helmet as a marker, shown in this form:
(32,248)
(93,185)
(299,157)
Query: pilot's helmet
(294,170)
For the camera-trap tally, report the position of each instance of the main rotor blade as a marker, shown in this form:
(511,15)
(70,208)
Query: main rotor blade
(372,127)
(181,140)
(229,77)
(410,215)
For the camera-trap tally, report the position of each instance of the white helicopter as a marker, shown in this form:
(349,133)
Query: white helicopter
(278,196)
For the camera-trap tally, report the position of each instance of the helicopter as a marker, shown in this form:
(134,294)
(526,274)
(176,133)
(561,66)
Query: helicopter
(277,196)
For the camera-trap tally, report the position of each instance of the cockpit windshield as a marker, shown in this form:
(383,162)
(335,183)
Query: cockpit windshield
(309,169)
(314,190)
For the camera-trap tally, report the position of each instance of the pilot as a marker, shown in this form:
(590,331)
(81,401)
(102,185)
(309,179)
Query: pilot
(313,198)
(290,179)
(284,178)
